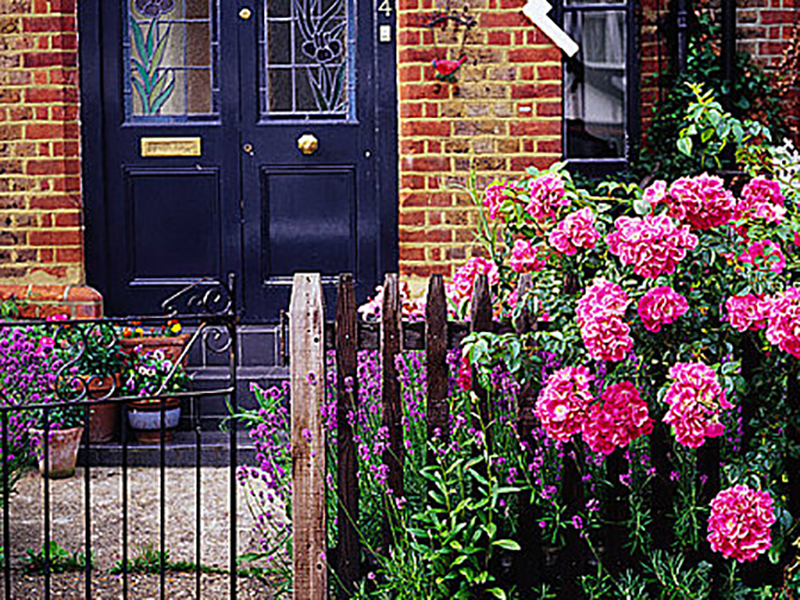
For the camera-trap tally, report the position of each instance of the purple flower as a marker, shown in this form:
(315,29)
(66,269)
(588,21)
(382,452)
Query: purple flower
(154,8)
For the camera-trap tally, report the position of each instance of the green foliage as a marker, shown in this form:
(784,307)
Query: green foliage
(60,560)
(752,98)
(9,309)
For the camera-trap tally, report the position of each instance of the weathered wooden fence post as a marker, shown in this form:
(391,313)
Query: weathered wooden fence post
(307,348)
(481,320)
(530,562)
(348,553)
(390,345)
(438,410)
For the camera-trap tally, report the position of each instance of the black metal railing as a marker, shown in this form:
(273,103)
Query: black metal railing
(208,310)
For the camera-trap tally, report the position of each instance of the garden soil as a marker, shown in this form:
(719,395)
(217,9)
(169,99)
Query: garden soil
(67,501)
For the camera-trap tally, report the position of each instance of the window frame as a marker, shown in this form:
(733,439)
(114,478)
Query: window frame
(605,166)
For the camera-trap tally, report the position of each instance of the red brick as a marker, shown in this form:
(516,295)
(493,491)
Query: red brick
(62,237)
(50,59)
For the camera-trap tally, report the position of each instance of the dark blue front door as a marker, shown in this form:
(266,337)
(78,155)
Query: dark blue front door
(254,137)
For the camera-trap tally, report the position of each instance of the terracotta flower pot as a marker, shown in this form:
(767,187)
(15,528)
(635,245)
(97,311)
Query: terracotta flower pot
(104,416)
(145,418)
(62,448)
(171,346)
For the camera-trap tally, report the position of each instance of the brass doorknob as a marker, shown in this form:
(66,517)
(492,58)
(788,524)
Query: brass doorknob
(307,143)
(245,14)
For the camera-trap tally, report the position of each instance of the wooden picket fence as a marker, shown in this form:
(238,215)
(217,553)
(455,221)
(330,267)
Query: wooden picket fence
(310,337)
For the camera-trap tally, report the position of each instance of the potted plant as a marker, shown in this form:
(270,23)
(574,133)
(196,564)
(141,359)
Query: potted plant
(169,338)
(97,360)
(154,377)
(64,422)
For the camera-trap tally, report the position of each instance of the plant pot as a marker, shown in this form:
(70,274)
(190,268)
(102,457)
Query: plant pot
(171,346)
(62,448)
(104,416)
(145,418)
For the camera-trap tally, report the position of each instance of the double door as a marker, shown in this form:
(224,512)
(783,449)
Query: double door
(254,137)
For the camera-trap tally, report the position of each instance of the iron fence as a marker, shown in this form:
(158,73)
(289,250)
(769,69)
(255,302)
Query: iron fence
(208,310)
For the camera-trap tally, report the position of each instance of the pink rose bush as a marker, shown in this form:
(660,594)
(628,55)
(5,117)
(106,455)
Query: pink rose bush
(576,231)
(740,523)
(661,306)
(547,194)
(764,255)
(564,401)
(617,420)
(695,400)
(702,201)
(460,290)
(599,314)
(654,245)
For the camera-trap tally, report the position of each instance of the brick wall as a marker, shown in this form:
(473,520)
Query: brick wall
(41,253)
(768,30)
(654,58)
(502,115)
(40,208)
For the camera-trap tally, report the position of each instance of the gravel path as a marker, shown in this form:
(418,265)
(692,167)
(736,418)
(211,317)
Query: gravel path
(68,529)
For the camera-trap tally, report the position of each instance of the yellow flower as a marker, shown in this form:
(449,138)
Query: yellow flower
(139,331)
(176,328)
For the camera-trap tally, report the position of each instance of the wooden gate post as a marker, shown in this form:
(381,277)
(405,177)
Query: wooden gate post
(349,552)
(438,410)
(307,352)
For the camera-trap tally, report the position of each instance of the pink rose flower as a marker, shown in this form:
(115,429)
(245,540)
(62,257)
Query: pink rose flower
(563,402)
(783,319)
(655,193)
(695,400)
(661,306)
(525,257)
(701,201)
(765,255)
(493,199)
(547,194)
(464,279)
(577,230)
(748,312)
(654,245)
(617,420)
(762,198)
(599,313)
(740,522)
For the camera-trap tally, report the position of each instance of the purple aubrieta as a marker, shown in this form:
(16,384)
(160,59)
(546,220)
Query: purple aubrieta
(154,8)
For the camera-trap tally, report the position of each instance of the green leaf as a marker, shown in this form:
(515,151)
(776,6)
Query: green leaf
(151,33)
(138,39)
(507,544)
(497,593)
(685,146)
(145,97)
(162,98)
(158,55)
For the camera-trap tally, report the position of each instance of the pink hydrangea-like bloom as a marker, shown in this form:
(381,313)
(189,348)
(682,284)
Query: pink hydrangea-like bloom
(653,245)
(619,419)
(762,198)
(695,400)
(525,257)
(655,193)
(783,323)
(740,522)
(599,314)
(563,402)
(464,279)
(764,255)
(547,193)
(701,201)
(747,312)
(661,306)
(577,230)
(493,199)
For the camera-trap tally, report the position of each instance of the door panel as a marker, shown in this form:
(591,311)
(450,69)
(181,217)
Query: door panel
(241,82)
(308,220)
(185,202)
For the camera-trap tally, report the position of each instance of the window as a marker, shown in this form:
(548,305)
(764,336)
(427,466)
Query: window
(598,84)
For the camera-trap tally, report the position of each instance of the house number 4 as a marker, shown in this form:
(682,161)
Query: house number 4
(385,7)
